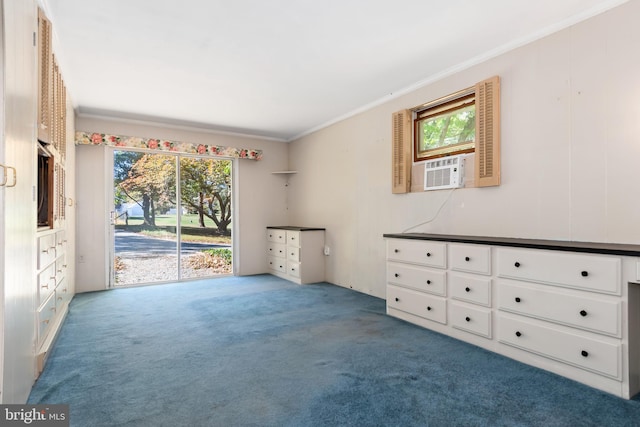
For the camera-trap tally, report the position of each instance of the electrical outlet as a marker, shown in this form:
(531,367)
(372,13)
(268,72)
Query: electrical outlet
(327,251)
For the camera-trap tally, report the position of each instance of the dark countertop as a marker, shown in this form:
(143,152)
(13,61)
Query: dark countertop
(554,245)
(293,228)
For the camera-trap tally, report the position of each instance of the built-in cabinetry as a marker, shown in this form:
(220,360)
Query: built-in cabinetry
(570,308)
(53,293)
(54,284)
(296,253)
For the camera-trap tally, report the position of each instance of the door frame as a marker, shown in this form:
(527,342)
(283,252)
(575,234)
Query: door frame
(110,228)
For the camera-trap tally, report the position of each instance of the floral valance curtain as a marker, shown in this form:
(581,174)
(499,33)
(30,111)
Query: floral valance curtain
(86,138)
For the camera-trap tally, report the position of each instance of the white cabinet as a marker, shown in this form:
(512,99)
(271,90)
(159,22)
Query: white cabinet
(296,253)
(572,310)
(53,293)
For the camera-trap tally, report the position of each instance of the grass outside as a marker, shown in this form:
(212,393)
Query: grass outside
(187,220)
(166,229)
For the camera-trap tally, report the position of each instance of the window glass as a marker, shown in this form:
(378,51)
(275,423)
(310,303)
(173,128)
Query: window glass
(446,128)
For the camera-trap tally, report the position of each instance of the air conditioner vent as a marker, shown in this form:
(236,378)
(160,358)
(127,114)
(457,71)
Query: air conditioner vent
(445,172)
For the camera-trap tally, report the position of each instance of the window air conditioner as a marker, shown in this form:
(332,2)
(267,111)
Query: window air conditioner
(445,172)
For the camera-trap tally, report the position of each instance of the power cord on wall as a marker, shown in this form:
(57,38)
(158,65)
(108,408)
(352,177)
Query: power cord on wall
(444,202)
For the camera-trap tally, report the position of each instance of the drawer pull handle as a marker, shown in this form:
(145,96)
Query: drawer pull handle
(584,273)
(428,254)
(292,254)
(467,289)
(583,313)
(396,250)
(428,308)
(467,258)
(428,282)
(468,319)
(270,249)
(517,264)
(518,299)
(45,286)
(396,275)
(518,334)
(397,299)
(584,353)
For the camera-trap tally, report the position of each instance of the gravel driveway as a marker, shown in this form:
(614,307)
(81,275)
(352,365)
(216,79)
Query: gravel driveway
(142,259)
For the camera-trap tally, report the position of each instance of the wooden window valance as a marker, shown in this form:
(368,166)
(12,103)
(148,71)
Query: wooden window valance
(93,138)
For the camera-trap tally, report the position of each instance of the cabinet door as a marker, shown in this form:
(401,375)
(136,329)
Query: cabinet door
(432,254)
(471,319)
(581,271)
(417,303)
(474,289)
(418,278)
(470,258)
(293,238)
(276,235)
(571,308)
(592,354)
(276,249)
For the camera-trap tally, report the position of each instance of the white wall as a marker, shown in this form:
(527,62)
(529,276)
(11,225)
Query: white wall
(570,146)
(260,195)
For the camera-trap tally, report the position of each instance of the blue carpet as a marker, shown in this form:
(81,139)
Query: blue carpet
(261,351)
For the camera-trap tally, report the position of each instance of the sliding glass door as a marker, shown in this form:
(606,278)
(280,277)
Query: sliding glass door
(171,218)
(205,229)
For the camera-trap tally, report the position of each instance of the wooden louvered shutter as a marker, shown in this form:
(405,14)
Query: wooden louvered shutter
(487,158)
(45,79)
(401,152)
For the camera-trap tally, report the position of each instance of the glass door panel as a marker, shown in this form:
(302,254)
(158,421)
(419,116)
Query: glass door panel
(145,218)
(205,226)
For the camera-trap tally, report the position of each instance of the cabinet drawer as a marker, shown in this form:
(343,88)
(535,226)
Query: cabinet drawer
(568,308)
(276,249)
(293,268)
(472,289)
(61,268)
(46,283)
(590,272)
(577,350)
(293,238)
(278,264)
(45,315)
(61,241)
(63,295)
(433,254)
(417,303)
(421,279)
(276,235)
(470,258)
(471,319)
(46,249)
(293,253)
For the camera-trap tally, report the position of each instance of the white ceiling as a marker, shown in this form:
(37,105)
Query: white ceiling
(279,68)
